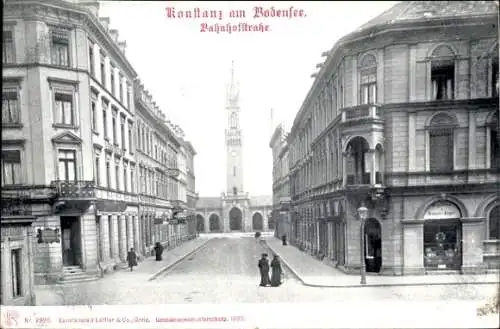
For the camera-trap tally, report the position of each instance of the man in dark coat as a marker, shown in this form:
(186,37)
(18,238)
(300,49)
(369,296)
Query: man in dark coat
(132,259)
(276,276)
(158,251)
(264,271)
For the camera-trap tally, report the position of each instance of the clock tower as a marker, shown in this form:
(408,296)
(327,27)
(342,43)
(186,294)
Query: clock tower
(234,140)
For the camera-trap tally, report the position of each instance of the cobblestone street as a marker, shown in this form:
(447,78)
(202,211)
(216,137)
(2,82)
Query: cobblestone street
(224,271)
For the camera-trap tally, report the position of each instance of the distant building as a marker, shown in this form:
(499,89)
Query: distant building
(235,210)
(403,118)
(281,183)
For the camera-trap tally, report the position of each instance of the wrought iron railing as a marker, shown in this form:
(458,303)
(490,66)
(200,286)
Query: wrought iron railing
(75,189)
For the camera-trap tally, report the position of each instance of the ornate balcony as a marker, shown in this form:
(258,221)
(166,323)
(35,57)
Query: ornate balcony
(361,112)
(75,190)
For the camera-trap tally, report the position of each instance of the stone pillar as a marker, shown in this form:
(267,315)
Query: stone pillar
(413,247)
(31,270)
(472,251)
(137,237)
(122,237)
(114,237)
(104,243)
(130,232)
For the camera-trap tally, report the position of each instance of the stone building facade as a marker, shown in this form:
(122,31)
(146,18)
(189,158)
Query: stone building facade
(234,210)
(403,118)
(69,137)
(281,183)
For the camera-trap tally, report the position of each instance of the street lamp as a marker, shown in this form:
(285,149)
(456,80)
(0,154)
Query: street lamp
(362,213)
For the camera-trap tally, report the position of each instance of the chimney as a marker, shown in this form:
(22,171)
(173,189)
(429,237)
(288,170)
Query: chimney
(114,35)
(123,46)
(105,22)
(92,6)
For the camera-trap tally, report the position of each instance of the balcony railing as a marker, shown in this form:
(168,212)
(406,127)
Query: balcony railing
(365,111)
(75,190)
(360,179)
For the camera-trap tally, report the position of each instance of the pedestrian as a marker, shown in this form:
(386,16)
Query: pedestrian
(158,251)
(264,271)
(132,259)
(283,239)
(277,272)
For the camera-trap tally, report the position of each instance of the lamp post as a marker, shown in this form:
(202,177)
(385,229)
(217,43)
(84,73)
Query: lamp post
(362,214)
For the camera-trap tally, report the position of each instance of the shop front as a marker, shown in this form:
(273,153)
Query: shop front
(443,239)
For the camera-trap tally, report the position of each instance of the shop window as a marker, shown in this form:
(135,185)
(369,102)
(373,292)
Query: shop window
(16,273)
(443,74)
(442,249)
(441,144)
(494,224)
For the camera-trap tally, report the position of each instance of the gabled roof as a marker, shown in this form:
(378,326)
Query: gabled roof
(422,10)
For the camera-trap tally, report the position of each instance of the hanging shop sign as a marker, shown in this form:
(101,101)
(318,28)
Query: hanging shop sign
(442,210)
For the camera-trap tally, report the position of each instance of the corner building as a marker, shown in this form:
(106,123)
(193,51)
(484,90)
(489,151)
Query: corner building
(403,118)
(68,139)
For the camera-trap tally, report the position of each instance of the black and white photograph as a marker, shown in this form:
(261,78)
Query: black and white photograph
(250,164)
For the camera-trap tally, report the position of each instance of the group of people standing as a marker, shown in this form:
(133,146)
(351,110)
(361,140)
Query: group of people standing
(277,272)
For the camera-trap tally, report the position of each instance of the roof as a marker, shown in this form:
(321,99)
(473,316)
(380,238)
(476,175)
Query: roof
(261,200)
(421,10)
(208,202)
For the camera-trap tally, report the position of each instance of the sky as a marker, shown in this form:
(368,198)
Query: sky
(187,71)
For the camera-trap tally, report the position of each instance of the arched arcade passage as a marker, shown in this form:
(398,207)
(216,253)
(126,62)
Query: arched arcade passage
(235,219)
(257,222)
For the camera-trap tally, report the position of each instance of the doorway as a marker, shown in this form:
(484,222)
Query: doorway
(214,223)
(71,241)
(257,222)
(373,246)
(235,217)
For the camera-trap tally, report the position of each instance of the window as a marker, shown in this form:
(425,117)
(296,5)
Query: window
(132,179)
(16,272)
(64,108)
(234,171)
(113,126)
(130,139)
(93,114)
(494,78)
(112,79)
(442,74)
(60,48)
(105,119)
(129,95)
(368,80)
(235,190)
(494,142)
(91,59)
(122,131)
(7,47)
(441,143)
(442,244)
(120,90)
(103,69)
(67,165)
(125,187)
(117,176)
(494,224)
(108,174)
(156,152)
(97,171)
(10,106)
(11,167)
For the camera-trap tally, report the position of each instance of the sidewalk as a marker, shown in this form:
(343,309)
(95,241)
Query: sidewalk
(149,269)
(312,272)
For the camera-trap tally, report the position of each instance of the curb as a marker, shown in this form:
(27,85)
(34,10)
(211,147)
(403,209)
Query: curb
(181,259)
(371,284)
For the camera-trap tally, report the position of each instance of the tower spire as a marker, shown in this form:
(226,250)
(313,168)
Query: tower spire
(233,91)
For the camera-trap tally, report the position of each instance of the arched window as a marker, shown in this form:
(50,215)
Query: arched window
(441,143)
(443,73)
(235,190)
(494,224)
(368,80)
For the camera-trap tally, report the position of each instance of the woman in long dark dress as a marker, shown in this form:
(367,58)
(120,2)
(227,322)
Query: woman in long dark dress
(264,271)
(276,276)
(132,259)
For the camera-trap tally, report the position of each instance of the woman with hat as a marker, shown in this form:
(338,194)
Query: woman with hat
(276,276)
(264,271)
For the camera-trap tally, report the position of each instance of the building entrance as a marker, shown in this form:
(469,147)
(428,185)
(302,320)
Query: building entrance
(71,241)
(235,217)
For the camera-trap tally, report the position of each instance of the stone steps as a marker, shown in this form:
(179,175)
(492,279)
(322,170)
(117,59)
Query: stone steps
(74,274)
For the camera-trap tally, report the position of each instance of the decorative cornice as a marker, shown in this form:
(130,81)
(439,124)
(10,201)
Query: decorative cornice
(13,142)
